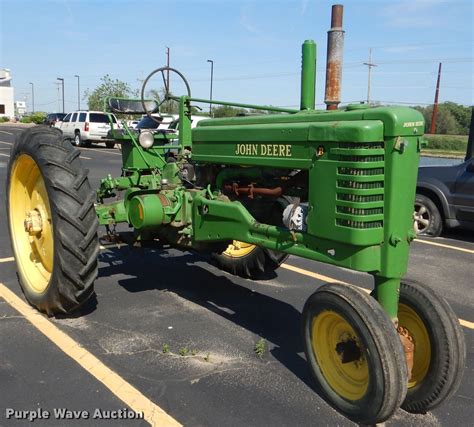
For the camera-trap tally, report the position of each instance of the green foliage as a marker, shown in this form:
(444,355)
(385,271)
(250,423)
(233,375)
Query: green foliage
(183,351)
(227,111)
(207,357)
(453,119)
(166,348)
(4,119)
(447,142)
(260,347)
(108,87)
(37,118)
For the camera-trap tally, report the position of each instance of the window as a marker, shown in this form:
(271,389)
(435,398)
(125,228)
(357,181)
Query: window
(68,116)
(148,123)
(82,117)
(100,118)
(74,117)
(2,109)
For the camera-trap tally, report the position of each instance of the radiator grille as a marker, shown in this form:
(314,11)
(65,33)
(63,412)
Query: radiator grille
(360,185)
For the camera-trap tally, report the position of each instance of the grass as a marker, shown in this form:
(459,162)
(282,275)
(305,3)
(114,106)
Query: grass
(448,144)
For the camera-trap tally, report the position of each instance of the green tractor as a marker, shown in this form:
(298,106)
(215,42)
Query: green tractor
(332,186)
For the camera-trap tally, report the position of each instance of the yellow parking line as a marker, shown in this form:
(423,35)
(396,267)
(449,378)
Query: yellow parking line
(9,259)
(328,279)
(312,274)
(128,394)
(442,245)
(102,151)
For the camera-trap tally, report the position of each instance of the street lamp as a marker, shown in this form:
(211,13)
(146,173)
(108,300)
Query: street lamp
(32,97)
(78,93)
(62,83)
(212,74)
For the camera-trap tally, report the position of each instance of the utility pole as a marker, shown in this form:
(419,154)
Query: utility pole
(435,105)
(370,65)
(78,92)
(32,97)
(57,97)
(168,71)
(62,83)
(212,77)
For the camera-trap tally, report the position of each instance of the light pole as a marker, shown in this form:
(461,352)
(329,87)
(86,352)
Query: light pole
(212,76)
(32,97)
(62,83)
(78,93)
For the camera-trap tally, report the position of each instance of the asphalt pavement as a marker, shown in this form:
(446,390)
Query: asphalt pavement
(182,334)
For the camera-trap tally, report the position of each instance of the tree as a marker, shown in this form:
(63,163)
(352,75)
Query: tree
(108,87)
(452,119)
(228,111)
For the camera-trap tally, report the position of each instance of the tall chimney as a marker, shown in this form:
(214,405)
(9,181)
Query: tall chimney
(332,96)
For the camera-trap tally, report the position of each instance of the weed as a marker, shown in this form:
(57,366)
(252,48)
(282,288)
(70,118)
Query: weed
(166,348)
(183,351)
(194,352)
(260,347)
(207,357)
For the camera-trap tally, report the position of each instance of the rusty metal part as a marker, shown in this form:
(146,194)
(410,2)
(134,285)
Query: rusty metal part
(334,59)
(250,190)
(408,347)
(33,222)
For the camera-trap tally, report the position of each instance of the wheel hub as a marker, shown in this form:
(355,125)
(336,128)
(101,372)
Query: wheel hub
(348,350)
(33,222)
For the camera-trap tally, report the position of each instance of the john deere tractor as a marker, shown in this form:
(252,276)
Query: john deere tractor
(333,186)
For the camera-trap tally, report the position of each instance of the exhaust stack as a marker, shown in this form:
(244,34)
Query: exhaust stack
(334,60)
(308,75)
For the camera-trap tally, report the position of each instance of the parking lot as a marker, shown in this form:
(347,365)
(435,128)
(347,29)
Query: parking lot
(173,336)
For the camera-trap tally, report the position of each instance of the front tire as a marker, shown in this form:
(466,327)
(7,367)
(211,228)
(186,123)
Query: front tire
(428,219)
(52,222)
(354,353)
(440,350)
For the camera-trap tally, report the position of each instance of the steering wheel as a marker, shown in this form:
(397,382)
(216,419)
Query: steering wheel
(167,92)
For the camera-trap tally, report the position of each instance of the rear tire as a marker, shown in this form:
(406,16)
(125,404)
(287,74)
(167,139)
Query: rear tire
(110,144)
(77,140)
(354,353)
(57,258)
(440,350)
(251,261)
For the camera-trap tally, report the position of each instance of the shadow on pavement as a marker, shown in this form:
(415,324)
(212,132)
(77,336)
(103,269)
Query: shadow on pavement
(155,269)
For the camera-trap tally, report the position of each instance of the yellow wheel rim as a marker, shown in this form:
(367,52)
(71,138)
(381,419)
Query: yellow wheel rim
(238,249)
(31,224)
(409,319)
(340,355)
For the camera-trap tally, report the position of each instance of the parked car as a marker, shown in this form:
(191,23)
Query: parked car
(84,127)
(445,196)
(53,118)
(132,124)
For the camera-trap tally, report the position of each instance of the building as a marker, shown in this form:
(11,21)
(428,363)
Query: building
(6,94)
(20,108)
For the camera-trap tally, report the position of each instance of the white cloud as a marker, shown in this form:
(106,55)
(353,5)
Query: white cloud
(304,6)
(412,13)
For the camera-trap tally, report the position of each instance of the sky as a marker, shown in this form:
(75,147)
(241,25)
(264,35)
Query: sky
(255,46)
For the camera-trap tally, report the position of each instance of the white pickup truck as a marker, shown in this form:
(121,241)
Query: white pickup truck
(84,127)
